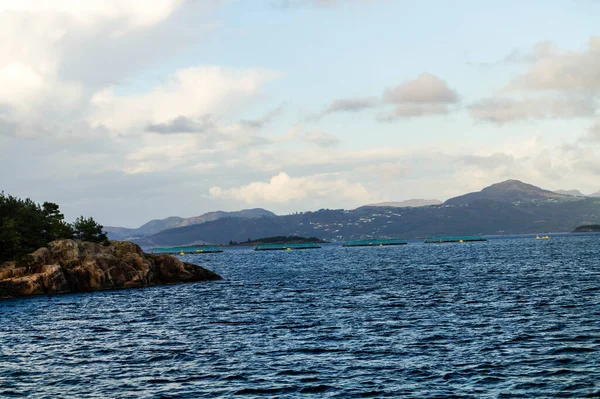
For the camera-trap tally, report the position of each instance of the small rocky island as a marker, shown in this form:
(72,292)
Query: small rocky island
(279,240)
(589,228)
(66,266)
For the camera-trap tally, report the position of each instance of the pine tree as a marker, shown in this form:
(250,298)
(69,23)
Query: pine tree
(87,229)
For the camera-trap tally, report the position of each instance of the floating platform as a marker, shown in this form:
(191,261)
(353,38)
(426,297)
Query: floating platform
(286,247)
(442,240)
(200,249)
(373,243)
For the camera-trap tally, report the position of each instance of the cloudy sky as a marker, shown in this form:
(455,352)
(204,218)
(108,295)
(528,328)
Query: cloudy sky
(131,110)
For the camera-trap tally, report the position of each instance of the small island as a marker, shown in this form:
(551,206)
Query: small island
(42,254)
(588,228)
(279,240)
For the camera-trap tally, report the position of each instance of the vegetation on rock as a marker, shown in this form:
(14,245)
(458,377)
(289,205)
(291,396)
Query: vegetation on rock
(26,226)
(86,229)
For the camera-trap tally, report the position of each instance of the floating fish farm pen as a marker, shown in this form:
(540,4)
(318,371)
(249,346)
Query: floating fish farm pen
(442,240)
(373,243)
(200,249)
(285,247)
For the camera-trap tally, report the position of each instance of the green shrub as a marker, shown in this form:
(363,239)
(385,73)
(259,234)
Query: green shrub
(26,226)
(86,229)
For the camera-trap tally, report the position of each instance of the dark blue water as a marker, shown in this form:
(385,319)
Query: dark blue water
(506,318)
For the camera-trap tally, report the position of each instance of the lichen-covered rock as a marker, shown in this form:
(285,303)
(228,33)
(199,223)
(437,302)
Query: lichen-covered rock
(76,266)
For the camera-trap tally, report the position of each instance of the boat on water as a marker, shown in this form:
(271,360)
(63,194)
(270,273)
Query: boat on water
(199,249)
(374,243)
(459,239)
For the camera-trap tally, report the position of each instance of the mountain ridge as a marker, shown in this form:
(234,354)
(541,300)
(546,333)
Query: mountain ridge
(508,191)
(510,207)
(157,225)
(573,193)
(405,204)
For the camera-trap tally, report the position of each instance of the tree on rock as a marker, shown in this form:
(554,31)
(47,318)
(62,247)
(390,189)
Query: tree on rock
(87,229)
(21,227)
(26,226)
(55,227)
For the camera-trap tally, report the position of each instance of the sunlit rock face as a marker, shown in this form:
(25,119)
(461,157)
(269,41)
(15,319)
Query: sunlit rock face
(76,266)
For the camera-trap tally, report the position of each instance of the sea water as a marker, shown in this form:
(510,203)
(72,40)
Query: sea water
(511,317)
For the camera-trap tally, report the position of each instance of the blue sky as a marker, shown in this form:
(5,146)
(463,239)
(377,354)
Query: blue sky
(130,111)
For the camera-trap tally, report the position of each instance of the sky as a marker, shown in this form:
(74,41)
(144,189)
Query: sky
(133,110)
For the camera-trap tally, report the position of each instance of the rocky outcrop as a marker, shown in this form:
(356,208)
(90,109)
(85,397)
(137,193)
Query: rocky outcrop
(76,266)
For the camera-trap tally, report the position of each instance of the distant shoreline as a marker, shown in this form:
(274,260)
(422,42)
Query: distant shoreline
(588,228)
(316,240)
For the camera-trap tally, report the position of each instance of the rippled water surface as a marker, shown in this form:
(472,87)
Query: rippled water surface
(513,317)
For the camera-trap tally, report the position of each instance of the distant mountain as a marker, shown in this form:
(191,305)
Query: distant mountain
(510,207)
(484,216)
(572,193)
(154,226)
(158,225)
(406,204)
(210,216)
(508,191)
(595,195)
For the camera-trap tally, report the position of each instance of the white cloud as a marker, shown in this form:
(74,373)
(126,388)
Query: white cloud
(28,92)
(352,104)
(321,139)
(37,35)
(19,82)
(566,84)
(54,56)
(133,13)
(538,51)
(565,71)
(425,89)
(190,92)
(64,67)
(283,189)
(503,110)
(491,161)
(384,172)
(164,149)
(412,111)
(160,153)
(183,124)
(285,4)
(594,132)
(423,96)
(265,120)
(316,137)
(203,167)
